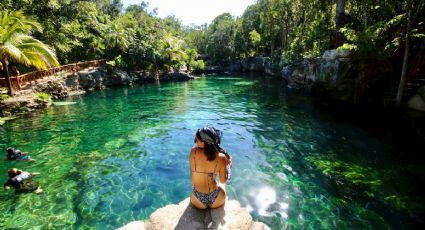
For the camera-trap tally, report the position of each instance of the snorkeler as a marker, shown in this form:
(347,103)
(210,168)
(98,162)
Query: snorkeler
(16,154)
(207,160)
(22,181)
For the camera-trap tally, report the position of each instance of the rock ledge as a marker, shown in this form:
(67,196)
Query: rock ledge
(186,216)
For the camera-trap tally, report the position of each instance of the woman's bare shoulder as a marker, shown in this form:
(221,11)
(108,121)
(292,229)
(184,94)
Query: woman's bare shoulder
(222,158)
(193,150)
(221,155)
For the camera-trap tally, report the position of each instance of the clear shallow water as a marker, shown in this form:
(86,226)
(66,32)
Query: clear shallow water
(117,155)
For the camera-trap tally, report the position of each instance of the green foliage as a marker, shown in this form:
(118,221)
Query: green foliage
(255,39)
(119,62)
(198,66)
(292,30)
(16,44)
(279,29)
(4,97)
(294,53)
(197,38)
(349,34)
(347,47)
(221,34)
(42,97)
(171,53)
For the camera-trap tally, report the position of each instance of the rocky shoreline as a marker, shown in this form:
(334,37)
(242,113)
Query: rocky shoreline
(336,75)
(31,97)
(185,216)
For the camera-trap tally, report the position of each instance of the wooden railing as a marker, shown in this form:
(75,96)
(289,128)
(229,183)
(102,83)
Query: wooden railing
(22,80)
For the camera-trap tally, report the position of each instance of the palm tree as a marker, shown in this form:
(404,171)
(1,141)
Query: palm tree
(171,51)
(16,44)
(118,38)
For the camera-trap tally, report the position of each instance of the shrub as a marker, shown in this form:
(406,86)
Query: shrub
(43,97)
(198,66)
(4,97)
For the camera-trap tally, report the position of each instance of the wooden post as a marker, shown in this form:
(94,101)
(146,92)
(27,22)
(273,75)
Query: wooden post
(8,82)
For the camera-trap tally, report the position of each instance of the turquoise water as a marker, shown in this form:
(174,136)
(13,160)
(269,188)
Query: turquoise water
(115,156)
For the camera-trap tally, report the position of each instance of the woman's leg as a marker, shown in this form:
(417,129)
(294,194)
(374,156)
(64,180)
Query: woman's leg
(197,203)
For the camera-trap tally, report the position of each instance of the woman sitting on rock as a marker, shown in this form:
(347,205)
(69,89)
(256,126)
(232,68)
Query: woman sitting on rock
(207,160)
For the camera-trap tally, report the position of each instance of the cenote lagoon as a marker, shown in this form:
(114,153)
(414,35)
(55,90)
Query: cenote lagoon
(116,155)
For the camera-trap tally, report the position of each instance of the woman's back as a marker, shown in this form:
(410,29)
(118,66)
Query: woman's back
(204,172)
(206,162)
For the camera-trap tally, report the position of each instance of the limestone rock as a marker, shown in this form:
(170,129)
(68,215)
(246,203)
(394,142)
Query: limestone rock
(213,69)
(135,225)
(71,81)
(92,79)
(118,77)
(181,76)
(330,55)
(55,89)
(185,216)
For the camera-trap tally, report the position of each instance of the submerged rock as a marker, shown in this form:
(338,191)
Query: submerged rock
(186,216)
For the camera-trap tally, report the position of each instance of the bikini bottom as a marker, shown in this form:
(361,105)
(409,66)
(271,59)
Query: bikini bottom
(207,198)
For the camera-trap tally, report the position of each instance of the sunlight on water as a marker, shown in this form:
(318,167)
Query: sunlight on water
(262,198)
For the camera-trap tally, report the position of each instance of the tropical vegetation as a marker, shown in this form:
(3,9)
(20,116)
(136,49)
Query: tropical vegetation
(17,46)
(285,31)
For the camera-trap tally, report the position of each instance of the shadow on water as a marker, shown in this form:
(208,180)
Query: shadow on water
(397,193)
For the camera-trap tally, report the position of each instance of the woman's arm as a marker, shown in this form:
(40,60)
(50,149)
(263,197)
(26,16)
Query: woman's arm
(35,174)
(228,157)
(222,171)
(191,156)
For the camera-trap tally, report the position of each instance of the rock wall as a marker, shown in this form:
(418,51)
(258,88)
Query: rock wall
(257,64)
(78,83)
(100,78)
(185,216)
(331,74)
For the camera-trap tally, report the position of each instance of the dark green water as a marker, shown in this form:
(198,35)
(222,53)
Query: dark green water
(117,155)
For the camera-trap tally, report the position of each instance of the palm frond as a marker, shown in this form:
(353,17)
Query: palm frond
(32,45)
(13,53)
(18,46)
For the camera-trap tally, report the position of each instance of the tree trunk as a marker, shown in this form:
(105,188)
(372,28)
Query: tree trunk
(406,54)
(340,8)
(365,15)
(8,82)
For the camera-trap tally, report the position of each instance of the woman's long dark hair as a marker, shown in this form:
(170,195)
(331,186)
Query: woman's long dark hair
(211,138)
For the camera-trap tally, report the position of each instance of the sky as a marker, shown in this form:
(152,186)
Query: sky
(195,12)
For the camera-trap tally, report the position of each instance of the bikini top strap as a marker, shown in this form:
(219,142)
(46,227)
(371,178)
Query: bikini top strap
(216,164)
